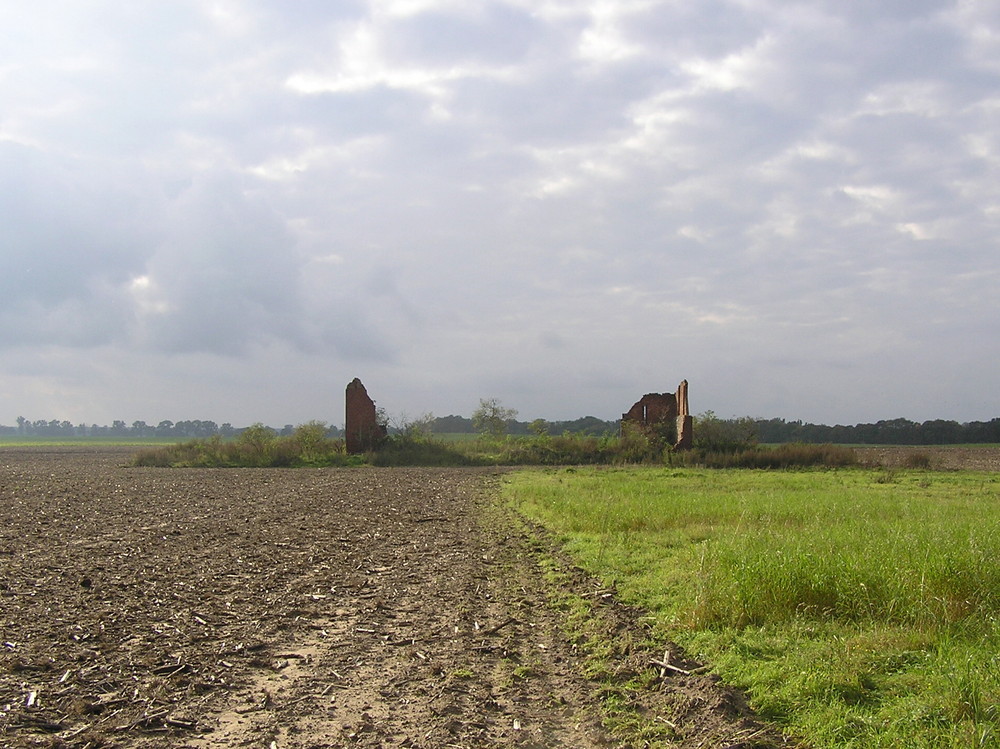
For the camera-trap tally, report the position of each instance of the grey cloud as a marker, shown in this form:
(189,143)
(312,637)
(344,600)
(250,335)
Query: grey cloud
(223,277)
(799,192)
(710,28)
(892,11)
(487,32)
(67,250)
(307,17)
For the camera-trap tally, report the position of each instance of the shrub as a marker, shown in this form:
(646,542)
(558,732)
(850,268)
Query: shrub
(258,446)
(917,460)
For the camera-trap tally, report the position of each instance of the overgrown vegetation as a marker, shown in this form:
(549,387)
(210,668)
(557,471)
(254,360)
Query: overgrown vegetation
(856,609)
(257,446)
(413,444)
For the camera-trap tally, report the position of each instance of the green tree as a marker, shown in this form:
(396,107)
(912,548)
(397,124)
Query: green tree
(420,428)
(539,427)
(257,443)
(311,439)
(492,418)
(724,435)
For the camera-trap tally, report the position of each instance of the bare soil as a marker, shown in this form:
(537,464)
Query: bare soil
(941,458)
(144,607)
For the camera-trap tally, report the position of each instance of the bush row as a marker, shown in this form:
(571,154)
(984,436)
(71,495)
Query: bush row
(259,446)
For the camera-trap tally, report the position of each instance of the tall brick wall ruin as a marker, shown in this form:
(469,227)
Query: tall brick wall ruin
(659,414)
(685,422)
(362,430)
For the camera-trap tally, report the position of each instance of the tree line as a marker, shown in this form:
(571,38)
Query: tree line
(193,429)
(189,429)
(777,431)
(586,425)
(886,432)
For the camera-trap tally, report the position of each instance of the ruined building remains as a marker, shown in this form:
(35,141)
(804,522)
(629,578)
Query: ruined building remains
(361,427)
(662,414)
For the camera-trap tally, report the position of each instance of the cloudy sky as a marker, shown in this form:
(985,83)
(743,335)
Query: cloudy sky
(228,209)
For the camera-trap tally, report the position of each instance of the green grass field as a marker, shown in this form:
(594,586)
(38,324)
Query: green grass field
(20,441)
(858,608)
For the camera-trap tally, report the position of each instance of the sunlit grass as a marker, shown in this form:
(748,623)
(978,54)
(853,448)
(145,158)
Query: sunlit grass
(858,608)
(37,441)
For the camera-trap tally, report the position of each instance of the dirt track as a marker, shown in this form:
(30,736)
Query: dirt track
(300,608)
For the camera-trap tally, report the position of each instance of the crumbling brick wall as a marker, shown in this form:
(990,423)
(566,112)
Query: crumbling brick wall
(362,430)
(662,416)
(685,422)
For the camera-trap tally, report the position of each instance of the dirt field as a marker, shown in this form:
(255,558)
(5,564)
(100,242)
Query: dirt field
(940,458)
(300,608)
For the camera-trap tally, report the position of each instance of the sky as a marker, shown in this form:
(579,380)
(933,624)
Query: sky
(227,210)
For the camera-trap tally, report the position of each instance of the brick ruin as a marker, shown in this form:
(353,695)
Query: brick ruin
(657,415)
(663,415)
(362,431)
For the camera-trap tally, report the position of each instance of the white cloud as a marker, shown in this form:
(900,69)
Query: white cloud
(146,296)
(604,40)
(776,201)
(745,68)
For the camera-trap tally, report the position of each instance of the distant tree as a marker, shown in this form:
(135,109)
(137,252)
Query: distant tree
(539,427)
(382,417)
(453,425)
(310,438)
(589,425)
(21,421)
(940,432)
(724,435)
(419,428)
(492,418)
(207,428)
(259,439)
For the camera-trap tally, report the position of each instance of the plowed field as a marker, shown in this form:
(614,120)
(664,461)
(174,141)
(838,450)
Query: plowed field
(145,607)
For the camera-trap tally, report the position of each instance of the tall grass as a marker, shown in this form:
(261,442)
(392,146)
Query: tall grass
(858,609)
